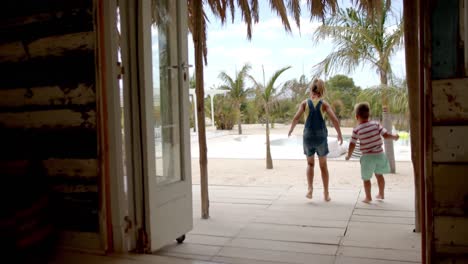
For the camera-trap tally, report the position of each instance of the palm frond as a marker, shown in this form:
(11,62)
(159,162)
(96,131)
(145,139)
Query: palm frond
(218,8)
(358,38)
(280,8)
(228,81)
(249,10)
(255,12)
(232,8)
(236,85)
(270,87)
(294,7)
(246,15)
(373,7)
(397,98)
(256,85)
(337,61)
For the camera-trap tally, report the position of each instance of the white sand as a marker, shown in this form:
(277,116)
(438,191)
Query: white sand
(343,174)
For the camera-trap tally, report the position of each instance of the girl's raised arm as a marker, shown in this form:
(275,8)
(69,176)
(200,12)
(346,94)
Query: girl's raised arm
(298,115)
(334,120)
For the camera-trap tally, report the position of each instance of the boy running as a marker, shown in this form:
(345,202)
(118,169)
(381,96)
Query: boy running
(373,160)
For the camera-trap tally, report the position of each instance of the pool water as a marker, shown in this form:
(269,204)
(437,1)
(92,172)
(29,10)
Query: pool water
(282,147)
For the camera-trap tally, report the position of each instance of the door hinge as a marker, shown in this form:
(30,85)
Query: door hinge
(120,70)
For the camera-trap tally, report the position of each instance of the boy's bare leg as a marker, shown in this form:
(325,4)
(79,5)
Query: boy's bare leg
(325,177)
(310,176)
(367,189)
(381,183)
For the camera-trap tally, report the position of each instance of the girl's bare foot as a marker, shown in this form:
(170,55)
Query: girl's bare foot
(367,200)
(309,194)
(380,197)
(326,196)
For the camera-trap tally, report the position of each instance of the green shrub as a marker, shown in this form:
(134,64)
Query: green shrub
(225,113)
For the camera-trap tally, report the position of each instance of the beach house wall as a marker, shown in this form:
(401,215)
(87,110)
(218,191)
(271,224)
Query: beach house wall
(49,154)
(446,130)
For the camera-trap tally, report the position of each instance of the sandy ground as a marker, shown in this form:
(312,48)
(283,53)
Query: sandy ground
(343,174)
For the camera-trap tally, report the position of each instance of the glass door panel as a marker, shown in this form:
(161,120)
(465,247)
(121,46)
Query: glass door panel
(165,91)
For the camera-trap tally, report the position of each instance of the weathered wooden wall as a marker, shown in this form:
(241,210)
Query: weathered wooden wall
(448,174)
(48,108)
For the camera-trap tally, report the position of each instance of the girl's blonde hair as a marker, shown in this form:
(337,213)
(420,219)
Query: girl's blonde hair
(318,87)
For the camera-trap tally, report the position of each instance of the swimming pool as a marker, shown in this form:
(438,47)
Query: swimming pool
(282,147)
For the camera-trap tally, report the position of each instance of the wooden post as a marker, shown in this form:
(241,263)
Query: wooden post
(410,14)
(200,93)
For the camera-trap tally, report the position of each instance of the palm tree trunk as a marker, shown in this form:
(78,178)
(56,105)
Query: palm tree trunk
(412,73)
(239,120)
(269,161)
(387,121)
(199,90)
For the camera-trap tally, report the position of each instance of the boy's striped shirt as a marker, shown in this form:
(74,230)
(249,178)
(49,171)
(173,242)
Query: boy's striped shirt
(369,135)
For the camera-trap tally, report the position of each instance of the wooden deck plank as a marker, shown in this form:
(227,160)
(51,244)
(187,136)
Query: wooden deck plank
(380,254)
(278,256)
(292,233)
(309,248)
(378,235)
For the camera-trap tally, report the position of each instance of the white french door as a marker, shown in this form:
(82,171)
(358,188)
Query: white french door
(164,107)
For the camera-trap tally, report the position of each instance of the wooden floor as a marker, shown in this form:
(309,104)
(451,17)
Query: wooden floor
(279,225)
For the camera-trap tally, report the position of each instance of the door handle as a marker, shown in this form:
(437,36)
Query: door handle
(183,65)
(186,66)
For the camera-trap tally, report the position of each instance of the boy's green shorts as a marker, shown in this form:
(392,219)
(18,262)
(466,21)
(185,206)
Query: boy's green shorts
(374,163)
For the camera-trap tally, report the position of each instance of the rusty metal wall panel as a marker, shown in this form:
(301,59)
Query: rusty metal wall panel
(450,144)
(451,234)
(450,101)
(450,189)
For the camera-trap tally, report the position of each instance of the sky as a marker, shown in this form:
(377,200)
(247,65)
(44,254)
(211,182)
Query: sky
(273,48)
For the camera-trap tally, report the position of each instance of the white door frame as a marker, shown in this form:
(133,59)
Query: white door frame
(111,152)
(162,201)
(128,208)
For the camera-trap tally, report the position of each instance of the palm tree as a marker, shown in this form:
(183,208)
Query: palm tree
(363,37)
(397,99)
(237,90)
(397,103)
(297,89)
(267,95)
